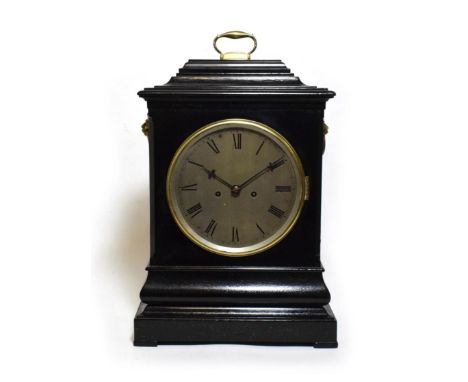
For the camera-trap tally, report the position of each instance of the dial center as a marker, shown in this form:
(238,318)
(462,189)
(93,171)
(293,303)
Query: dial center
(235,191)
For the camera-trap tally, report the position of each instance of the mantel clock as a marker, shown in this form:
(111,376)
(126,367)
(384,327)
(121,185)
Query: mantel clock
(235,150)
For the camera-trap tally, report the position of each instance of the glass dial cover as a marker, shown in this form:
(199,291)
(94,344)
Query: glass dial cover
(235,187)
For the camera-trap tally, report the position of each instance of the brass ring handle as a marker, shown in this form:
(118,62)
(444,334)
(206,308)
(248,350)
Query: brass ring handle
(235,55)
(325,132)
(145,127)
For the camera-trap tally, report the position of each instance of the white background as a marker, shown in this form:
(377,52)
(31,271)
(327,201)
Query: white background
(74,191)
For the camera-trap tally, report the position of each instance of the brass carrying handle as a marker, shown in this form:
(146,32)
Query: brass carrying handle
(235,55)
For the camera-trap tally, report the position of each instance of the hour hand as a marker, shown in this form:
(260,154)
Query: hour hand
(212,175)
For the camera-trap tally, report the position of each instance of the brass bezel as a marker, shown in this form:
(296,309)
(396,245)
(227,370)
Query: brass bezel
(267,130)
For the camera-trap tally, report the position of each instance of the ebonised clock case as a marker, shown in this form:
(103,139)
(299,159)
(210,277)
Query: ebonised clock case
(276,297)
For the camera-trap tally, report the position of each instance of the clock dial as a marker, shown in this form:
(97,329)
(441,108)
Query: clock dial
(235,187)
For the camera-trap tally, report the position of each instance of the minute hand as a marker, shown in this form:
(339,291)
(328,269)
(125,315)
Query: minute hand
(270,167)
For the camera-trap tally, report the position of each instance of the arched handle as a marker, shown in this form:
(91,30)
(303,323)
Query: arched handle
(235,55)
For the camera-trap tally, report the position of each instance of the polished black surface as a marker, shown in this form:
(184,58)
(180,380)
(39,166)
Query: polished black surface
(264,286)
(304,326)
(181,274)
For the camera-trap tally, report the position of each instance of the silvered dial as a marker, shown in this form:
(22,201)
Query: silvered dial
(235,187)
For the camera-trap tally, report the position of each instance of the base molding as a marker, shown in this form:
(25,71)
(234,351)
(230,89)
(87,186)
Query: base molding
(303,325)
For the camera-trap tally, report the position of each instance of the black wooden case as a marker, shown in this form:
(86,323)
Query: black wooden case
(276,297)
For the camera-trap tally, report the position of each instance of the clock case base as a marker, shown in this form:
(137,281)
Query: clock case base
(302,326)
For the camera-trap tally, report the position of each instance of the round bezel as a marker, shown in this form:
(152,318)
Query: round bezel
(270,241)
